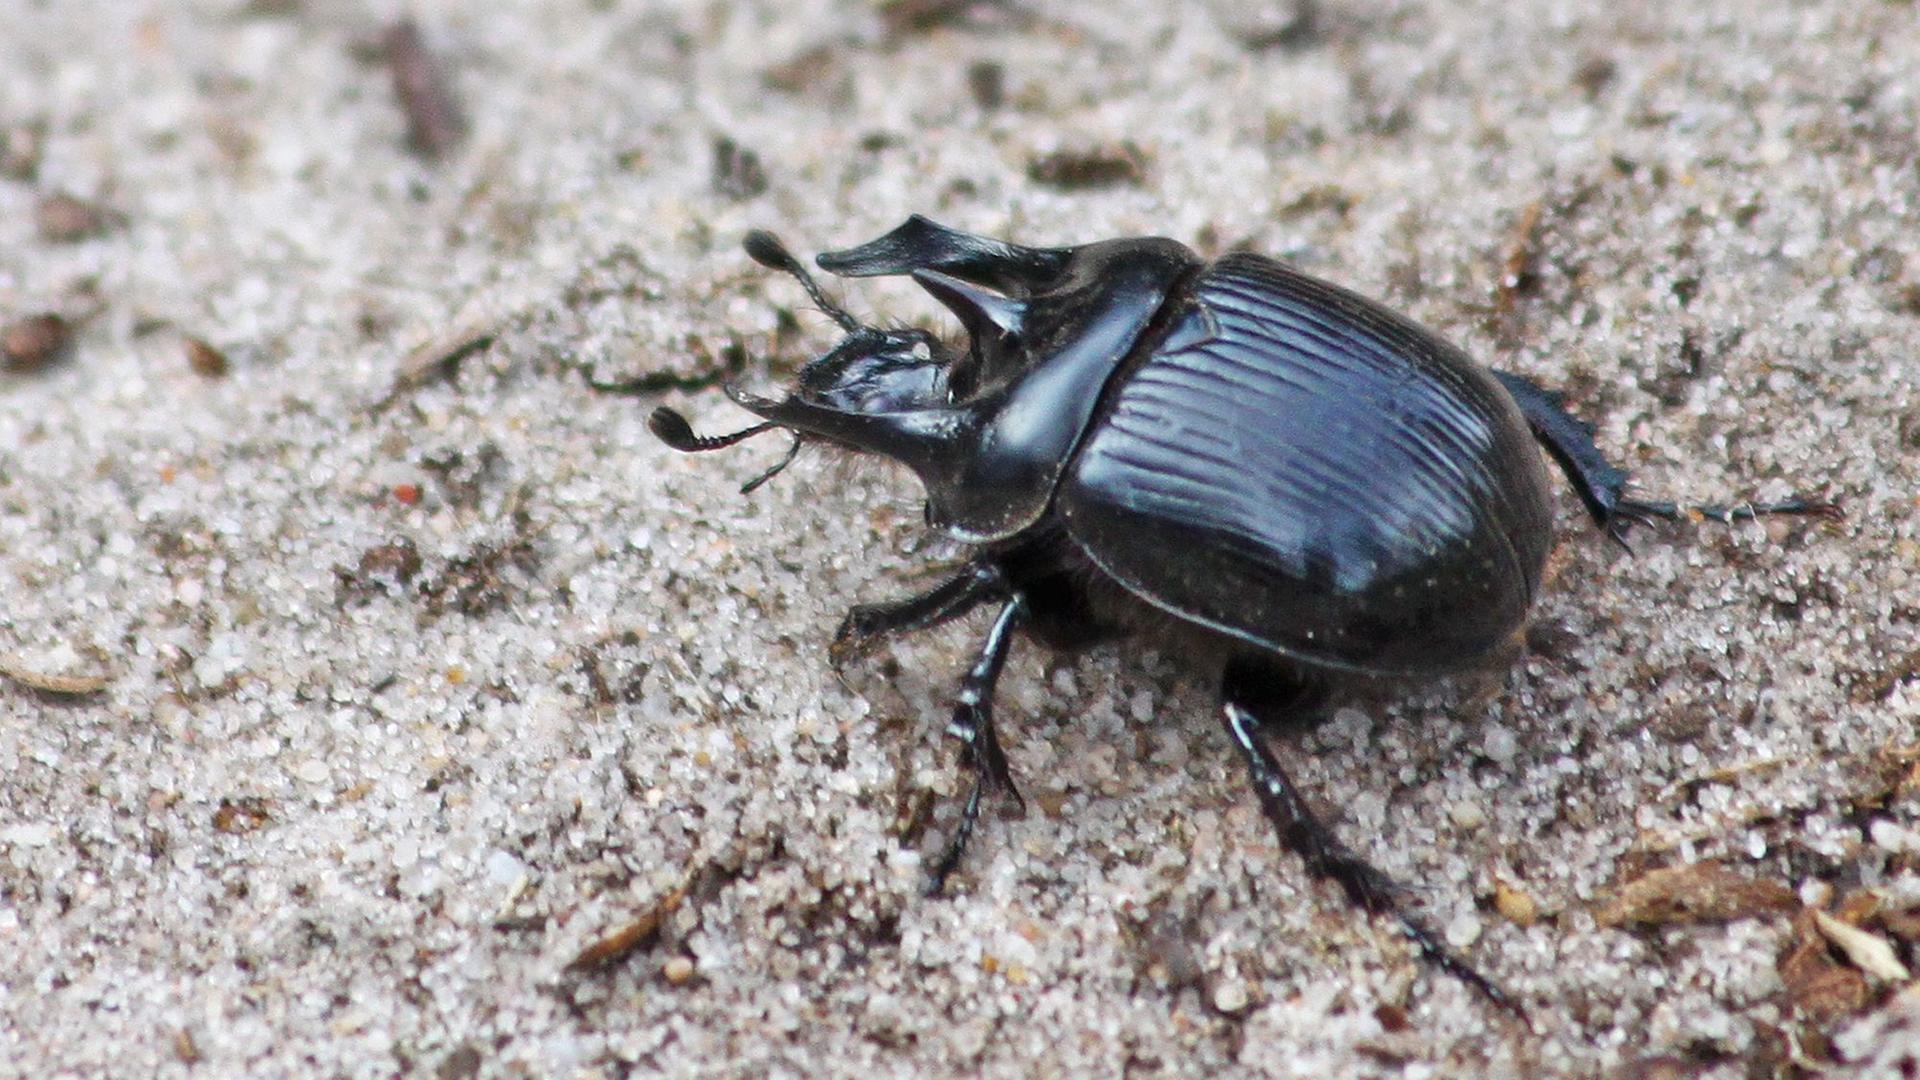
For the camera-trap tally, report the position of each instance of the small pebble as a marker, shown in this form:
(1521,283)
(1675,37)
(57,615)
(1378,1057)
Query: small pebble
(64,219)
(35,342)
(678,970)
(33,834)
(1464,930)
(1499,743)
(1515,906)
(205,360)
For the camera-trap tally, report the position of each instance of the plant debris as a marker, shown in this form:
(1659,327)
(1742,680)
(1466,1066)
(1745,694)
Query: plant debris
(1704,892)
(637,934)
(19,671)
(435,125)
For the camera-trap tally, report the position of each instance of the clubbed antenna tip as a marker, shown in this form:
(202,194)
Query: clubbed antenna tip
(766,249)
(672,428)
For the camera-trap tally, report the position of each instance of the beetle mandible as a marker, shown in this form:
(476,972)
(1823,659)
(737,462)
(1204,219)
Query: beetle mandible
(1300,486)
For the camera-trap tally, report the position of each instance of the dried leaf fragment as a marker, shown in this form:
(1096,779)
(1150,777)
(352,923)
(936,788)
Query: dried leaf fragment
(435,125)
(1697,893)
(1090,169)
(634,935)
(1816,985)
(237,817)
(68,685)
(1870,953)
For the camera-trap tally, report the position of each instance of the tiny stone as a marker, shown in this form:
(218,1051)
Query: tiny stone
(1464,930)
(1467,814)
(313,771)
(1515,906)
(1230,996)
(64,219)
(32,834)
(21,146)
(205,360)
(503,868)
(678,970)
(1499,743)
(35,342)
(1889,836)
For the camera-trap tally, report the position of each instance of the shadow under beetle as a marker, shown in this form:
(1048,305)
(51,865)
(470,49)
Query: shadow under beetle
(1310,490)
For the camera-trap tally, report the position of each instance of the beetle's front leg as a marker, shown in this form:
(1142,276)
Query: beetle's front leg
(977,583)
(1601,485)
(972,724)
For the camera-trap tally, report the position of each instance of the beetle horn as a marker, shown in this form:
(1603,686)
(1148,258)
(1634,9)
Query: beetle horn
(984,314)
(922,244)
(766,249)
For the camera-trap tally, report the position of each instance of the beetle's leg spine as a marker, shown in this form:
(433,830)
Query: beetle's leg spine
(1569,441)
(972,724)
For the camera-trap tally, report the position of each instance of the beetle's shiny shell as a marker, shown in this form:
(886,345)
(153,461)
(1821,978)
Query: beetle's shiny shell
(1301,469)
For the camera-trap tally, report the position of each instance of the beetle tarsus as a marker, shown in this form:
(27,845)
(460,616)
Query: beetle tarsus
(972,724)
(1643,511)
(1326,856)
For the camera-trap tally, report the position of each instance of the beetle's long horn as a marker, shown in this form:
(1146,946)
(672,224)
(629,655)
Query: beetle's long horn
(985,314)
(921,244)
(672,428)
(766,249)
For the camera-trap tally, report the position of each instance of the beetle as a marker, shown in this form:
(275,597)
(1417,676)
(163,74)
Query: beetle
(1293,483)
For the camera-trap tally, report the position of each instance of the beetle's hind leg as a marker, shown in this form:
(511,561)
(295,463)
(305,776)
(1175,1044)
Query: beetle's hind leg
(1254,694)
(972,724)
(866,625)
(1601,485)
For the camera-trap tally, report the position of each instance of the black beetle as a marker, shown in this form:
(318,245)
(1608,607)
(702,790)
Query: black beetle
(1306,488)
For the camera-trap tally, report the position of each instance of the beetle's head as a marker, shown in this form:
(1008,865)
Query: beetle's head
(873,392)
(988,425)
(877,371)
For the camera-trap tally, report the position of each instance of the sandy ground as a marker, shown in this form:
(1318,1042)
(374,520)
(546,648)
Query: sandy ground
(421,679)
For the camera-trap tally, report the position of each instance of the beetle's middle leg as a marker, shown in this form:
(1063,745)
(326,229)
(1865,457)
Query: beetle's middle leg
(1600,484)
(1254,695)
(972,724)
(977,583)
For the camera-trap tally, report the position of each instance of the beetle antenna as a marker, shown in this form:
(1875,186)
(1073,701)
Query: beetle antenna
(766,249)
(672,428)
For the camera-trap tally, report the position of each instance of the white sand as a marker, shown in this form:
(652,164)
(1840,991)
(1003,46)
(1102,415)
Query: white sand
(608,674)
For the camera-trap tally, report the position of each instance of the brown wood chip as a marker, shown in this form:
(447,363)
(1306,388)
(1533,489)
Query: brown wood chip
(1698,893)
